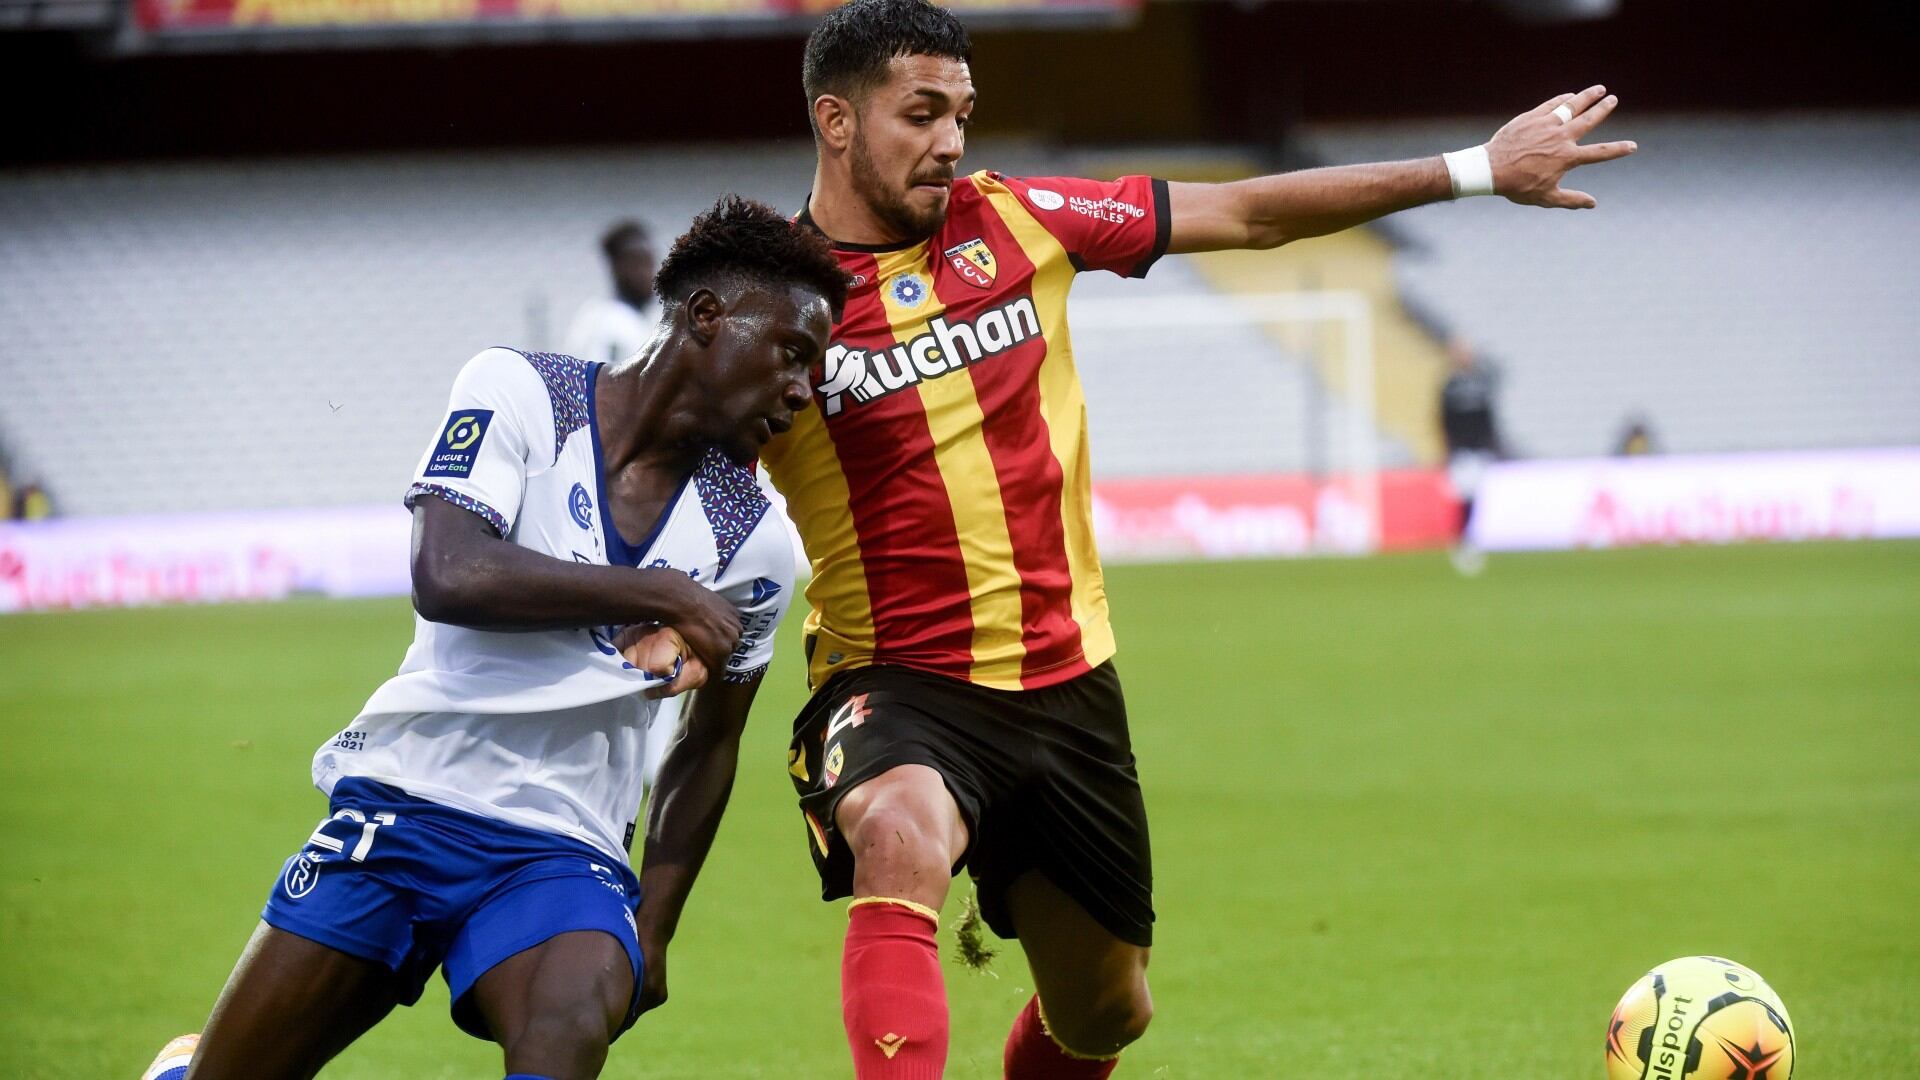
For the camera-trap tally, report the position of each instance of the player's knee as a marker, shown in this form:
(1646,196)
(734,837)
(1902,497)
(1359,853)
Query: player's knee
(890,837)
(1130,1022)
(904,816)
(1106,1026)
(574,1031)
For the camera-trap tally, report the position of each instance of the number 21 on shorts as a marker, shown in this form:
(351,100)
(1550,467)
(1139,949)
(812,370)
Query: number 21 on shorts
(320,839)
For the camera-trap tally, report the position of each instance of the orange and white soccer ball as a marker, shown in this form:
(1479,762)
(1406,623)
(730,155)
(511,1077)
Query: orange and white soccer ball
(1700,1018)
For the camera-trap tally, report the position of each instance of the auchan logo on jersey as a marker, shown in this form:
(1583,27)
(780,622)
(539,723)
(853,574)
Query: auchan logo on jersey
(867,375)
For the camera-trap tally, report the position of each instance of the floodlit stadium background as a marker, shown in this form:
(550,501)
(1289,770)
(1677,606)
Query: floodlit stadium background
(1407,823)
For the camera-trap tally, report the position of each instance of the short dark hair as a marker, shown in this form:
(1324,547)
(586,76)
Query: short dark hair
(749,242)
(620,234)
(849,51)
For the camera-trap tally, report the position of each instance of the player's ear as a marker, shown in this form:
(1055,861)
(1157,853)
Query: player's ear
(704,309)
(834,119)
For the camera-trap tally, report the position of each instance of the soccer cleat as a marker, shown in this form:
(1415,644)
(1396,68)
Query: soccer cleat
(173,1059)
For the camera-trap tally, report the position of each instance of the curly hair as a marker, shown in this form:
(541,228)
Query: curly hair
(848,53)
(746,241)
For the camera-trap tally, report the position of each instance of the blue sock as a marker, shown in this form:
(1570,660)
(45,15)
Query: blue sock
(178,1072)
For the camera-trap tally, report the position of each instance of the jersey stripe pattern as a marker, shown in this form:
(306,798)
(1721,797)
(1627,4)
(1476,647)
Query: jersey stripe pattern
(941,483)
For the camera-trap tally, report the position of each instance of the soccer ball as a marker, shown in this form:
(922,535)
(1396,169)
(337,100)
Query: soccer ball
(1700,1018)
(174,1059)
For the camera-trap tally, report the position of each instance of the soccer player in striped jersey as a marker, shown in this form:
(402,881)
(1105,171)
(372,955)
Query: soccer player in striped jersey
(965,708)
(577,525)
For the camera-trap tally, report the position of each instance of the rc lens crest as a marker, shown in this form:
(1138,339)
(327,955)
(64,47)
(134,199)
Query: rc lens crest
(830,769)
(974,262)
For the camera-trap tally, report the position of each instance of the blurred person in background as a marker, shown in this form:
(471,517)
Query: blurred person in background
(32,503)
(966,712)
(21,500)
(1472,435)
(614,327)
(1636,438)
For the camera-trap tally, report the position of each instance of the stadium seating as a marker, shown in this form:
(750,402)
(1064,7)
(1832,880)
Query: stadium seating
(189,336)
(196,336)
(1745,284)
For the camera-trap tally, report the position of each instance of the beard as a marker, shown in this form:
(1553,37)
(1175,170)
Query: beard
(889,206)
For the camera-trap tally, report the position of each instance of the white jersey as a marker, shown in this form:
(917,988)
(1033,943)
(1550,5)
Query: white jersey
(547,729)
(609,329)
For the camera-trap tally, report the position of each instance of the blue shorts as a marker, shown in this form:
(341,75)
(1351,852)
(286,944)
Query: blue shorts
(415,885)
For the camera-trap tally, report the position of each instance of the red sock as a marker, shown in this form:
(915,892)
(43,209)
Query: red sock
(892,994)
(1033,1055)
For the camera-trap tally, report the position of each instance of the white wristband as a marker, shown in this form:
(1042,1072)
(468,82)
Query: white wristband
(1470,171)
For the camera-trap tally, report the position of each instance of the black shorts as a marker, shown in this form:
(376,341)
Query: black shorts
(1045,779)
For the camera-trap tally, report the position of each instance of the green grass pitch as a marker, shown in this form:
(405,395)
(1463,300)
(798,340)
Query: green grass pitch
(1405,824)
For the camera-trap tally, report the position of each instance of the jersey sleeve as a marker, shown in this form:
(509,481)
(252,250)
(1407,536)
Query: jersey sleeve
(760,585)
(1121,226)
(498,417)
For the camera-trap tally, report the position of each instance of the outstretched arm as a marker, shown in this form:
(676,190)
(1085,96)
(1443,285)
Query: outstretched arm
(696,779)
(1528,158)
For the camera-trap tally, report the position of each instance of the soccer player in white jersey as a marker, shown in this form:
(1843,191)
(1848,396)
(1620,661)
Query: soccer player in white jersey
(610,329)
(575,525)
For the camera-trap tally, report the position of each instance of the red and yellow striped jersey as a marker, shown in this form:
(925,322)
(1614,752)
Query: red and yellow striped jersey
(940,484)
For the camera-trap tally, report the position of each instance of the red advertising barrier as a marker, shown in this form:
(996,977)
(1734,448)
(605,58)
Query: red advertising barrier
(205,15)
(362,550)
(1213,517)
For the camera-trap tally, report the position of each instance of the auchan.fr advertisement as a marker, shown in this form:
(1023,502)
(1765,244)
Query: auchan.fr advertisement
(1267,516)
(362,550)
(203,558)
(1717,499)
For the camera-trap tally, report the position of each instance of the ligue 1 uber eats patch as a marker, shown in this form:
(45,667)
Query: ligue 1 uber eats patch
(460,443)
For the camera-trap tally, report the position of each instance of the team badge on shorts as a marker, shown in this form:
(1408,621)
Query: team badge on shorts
(830,770)
(974,262)
(459,444)
(302,874)
(908,289)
